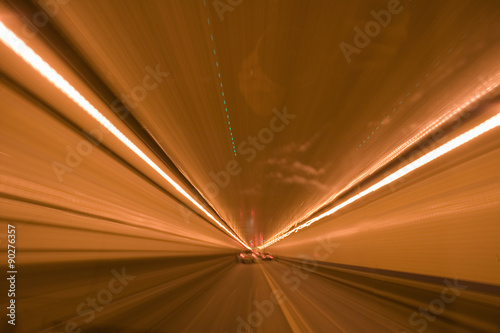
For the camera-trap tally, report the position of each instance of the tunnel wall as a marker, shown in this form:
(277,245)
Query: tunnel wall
(69,199)
(441,220)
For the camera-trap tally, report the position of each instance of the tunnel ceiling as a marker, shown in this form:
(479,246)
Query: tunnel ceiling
(312,103)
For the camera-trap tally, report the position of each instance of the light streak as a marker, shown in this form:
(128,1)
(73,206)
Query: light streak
(10,39)
(490,86)
(434,154)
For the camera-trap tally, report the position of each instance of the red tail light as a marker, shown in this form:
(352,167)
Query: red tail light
(254,255)
(242,255)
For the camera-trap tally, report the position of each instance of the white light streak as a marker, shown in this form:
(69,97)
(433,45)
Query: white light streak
(10,39)
(440,151)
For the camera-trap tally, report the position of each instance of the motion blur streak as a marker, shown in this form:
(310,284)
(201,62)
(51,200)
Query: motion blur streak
(363,194)
(20,48)
(434,125)
(447,147)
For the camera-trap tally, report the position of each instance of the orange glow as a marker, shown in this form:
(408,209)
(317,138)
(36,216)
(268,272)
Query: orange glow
(490,86)
(10,39)
(484,127)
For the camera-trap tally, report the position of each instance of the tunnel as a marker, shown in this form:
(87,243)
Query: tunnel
(250,166)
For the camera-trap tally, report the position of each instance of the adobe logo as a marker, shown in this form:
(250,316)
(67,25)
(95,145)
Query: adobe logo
(372,29)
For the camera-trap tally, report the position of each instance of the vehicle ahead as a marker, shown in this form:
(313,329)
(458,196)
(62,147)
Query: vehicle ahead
(247,256)
(267,256)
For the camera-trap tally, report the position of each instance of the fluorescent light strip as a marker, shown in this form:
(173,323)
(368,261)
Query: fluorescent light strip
(440,151)
(396,152)
(10,39)
(434,125)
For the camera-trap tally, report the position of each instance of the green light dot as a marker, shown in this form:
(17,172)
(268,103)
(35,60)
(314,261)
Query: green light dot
(227,116)
(214,51)
(212,37)
(226,109)
(229,122)
(216,64)
(222,93)
(208,20)
(221,84)
(229,128)
(219,74)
